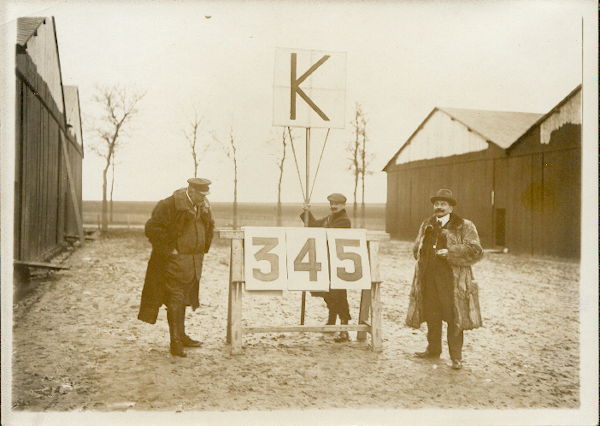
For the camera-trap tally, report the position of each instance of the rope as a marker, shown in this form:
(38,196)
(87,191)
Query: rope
(296,162)
(319,164)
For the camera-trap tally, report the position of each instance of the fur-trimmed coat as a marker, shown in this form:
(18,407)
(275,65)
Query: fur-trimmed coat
(176,233)
(464,249)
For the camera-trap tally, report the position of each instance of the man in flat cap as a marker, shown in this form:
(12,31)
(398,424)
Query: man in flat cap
(443,288)
(180,231)
(336,299)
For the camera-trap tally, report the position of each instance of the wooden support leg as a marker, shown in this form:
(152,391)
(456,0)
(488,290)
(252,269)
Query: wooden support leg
(236,319)
(363,313)
(376,338)
(229,298)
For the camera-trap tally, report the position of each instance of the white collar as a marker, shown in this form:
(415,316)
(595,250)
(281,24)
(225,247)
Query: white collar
(191,202)
(444,219)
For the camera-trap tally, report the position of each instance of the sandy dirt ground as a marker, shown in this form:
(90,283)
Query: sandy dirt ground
(79,346)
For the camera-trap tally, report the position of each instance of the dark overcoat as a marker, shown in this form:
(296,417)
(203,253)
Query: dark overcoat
(464,249)
(165,229)
(335,220)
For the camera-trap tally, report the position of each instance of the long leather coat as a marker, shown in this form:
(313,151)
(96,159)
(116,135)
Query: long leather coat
(179,236)
(464,249)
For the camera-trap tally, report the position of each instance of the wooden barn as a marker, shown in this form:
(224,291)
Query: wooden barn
(49,147)
(503,167)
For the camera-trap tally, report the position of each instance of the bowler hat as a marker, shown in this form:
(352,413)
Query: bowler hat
(336,198)
(200,183)
(444,195)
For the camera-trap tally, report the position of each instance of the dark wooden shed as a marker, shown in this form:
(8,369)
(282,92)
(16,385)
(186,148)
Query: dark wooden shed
(492,161)
(49,147)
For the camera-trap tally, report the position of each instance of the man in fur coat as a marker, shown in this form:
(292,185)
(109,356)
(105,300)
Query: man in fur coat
(180,231)
(443,288)
(336,299)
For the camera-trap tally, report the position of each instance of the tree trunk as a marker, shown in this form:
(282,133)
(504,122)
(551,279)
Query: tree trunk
(235,203)
(112,187)
(235,184)
(355,205)
(362,202)
(104,227)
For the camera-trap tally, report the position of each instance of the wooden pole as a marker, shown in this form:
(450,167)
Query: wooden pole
(363,314)
(376,328)
(237,279)
(306,201)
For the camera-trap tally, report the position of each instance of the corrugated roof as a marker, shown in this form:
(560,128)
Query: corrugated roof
(26,28)
(501,127)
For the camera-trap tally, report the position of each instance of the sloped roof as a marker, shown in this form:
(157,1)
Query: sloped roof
(501,127)
(26,28)
(549,113)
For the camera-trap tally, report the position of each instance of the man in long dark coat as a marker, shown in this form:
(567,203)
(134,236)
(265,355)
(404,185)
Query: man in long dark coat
(180,231)
(443,287)
(336,299)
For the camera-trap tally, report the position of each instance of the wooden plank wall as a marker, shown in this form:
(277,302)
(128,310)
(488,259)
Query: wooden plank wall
(470,181)
(40,207)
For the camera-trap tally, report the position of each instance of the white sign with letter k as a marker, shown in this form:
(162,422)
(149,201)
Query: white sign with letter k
(309,88)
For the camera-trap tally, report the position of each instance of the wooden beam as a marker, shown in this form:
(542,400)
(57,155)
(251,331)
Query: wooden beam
(376,337)
(307,328)
(233,234)
(236,319)
(237,265)
(41,265)
(76,237)
(363,313)
(229,297)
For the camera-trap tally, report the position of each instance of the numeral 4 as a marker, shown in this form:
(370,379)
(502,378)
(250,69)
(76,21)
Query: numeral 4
(312,266)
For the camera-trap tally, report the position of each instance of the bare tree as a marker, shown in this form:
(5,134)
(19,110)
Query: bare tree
(354,149)
(365,160)
(281,165)
(112,186)
(118,107)
(193,141)
(230,148)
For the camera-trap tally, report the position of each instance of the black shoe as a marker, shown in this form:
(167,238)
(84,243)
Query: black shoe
(188,342)
(426,354)
(177,349)
(456,365)
(342,337)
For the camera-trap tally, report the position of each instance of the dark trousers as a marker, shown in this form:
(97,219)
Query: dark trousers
(438,301)
(434,339)
(337,303)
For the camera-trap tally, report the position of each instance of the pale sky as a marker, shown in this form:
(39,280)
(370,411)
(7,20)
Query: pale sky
(403,59)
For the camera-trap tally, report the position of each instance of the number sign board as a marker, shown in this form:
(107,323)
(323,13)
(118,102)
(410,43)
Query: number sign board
(309,88)
(349,259)
(264,250)
(305,259)
(309,269)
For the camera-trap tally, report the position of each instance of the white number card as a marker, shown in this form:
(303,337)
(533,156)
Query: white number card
(349,259)
(264,258)
(308,266)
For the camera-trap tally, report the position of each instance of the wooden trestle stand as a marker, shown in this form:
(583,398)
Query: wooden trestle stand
(370,299)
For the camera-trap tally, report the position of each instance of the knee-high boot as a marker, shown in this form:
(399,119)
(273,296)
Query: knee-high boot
(175,330)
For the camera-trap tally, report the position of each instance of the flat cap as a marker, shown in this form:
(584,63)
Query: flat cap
(336,198)
(199,181)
